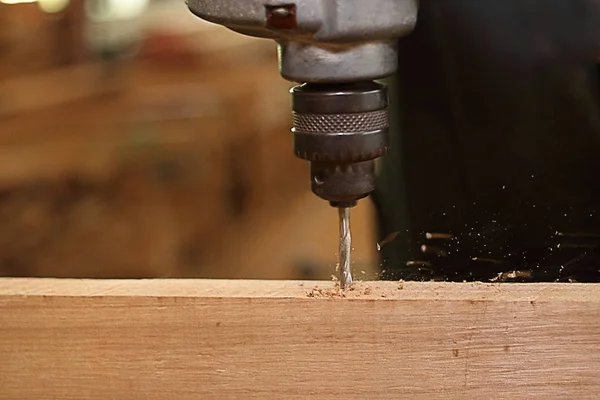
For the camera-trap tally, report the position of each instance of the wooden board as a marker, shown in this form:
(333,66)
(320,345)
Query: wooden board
(214,339)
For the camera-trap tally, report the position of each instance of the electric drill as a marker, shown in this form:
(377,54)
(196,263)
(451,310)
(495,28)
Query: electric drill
(336,49)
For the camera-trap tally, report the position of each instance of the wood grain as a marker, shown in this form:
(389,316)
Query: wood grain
(216,339)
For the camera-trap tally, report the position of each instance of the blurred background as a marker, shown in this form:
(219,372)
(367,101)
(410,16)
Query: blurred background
(137,140)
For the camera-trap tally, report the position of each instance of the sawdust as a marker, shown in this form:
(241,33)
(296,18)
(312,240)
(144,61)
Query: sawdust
(326,292)
(356,290)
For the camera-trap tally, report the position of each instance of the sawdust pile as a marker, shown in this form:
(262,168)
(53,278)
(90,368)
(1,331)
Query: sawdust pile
(356,290)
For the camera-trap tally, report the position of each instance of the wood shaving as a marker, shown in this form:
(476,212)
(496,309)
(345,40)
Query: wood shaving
(358,289)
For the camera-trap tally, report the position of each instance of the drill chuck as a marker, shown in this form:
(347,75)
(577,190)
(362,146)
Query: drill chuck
(341,129)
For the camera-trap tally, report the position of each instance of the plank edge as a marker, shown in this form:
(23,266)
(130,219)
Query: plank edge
(309,290)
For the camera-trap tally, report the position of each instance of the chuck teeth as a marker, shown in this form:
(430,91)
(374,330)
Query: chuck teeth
(357,169)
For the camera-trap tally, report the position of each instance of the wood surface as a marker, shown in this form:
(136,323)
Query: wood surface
(218,339)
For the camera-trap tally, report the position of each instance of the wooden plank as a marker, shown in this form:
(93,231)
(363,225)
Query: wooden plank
(216,339)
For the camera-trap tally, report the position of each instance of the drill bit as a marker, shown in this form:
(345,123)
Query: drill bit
(345,247)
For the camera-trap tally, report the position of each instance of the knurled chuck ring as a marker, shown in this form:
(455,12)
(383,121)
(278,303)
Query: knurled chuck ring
(341,123)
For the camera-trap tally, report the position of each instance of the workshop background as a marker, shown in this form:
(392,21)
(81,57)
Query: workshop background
(137,140)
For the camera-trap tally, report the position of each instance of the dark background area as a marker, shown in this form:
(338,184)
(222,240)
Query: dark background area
(497,143)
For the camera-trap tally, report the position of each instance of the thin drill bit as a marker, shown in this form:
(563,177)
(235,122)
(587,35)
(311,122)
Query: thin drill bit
(345,248)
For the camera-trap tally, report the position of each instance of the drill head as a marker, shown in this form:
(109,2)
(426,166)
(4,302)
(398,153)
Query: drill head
(341,129)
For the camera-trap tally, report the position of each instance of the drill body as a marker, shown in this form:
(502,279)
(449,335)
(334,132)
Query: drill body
(335,49)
